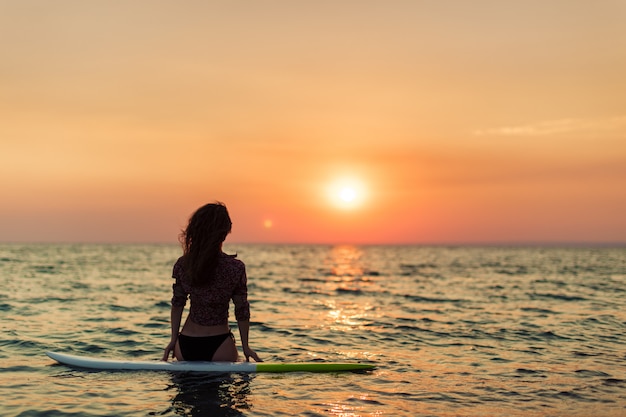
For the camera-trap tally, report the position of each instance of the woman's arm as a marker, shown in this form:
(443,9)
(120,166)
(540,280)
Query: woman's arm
(242,314)
(244,330)
(175,319)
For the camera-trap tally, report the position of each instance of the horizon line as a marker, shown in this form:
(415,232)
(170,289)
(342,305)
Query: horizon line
(565,244)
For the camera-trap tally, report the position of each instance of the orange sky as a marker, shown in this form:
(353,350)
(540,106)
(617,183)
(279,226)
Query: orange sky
(463,122)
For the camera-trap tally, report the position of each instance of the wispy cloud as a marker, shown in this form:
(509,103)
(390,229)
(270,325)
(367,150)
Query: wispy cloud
(552,127)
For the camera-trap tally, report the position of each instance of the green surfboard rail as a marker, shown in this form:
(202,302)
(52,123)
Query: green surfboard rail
(312,367)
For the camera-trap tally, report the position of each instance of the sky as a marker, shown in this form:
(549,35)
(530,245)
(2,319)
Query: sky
(363,122)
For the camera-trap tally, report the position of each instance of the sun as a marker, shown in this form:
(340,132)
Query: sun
(347,193)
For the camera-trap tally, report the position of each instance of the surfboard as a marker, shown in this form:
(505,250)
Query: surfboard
(198,366)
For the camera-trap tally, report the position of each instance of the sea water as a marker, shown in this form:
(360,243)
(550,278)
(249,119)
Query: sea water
(454,331)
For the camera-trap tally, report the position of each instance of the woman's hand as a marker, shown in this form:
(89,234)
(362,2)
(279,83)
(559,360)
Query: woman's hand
(169,349)
(249,353)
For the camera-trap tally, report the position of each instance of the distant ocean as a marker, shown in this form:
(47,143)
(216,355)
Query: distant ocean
(454,331)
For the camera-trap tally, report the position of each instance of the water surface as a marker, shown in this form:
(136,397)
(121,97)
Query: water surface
(454,331)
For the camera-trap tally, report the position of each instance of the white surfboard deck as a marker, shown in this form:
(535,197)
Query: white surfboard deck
(198,366)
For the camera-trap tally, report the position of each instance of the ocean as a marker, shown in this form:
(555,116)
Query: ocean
(454,331)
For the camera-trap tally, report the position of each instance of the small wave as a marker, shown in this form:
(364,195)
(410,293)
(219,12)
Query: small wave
(163,304)
(538,310)
(46,269)
(418,266)
(42,300)
(404,327)
(307,279)
(525,371)
(25,347)
(552,335)
(515,270)
(569,395)
(153,325)
(614,381)
(363,400)
(11,260)
(120,308)
(140,353)
(20,368)
(82,347)
(576,269)
(121,331)
(590,373)
(534,350)
(500,360)
(421,299)
(310,291)
(349,290)
(560,297)
(585,354)
(426,270)
(96,319)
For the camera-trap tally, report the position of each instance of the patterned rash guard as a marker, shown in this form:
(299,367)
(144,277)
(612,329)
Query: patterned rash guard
(209,305)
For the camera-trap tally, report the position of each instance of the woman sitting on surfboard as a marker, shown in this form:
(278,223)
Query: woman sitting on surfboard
(210,278)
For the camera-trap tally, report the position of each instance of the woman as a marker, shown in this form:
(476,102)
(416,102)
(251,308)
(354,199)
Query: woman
(210,278)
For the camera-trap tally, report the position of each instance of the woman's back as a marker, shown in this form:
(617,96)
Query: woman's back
(210,302)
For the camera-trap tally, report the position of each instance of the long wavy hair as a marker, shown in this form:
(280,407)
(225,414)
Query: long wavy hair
(202,242)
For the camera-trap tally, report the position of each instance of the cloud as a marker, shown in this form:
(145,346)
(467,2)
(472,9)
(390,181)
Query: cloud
(553,127)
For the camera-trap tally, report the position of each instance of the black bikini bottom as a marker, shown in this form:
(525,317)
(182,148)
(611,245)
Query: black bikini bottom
(201,348)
